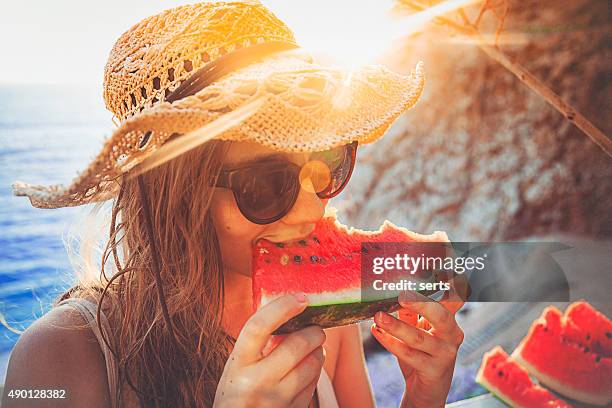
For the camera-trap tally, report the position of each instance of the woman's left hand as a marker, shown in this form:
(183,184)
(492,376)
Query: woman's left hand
(426,351)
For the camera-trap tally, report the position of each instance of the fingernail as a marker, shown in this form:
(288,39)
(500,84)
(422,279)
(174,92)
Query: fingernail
(301,297)
(378,317)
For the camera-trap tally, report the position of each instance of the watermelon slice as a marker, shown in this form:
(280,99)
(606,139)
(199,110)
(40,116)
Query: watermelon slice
(511,383)
(326,266)
(586,325)
(571,353)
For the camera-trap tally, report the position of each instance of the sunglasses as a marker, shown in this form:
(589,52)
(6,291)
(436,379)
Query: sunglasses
(266,191)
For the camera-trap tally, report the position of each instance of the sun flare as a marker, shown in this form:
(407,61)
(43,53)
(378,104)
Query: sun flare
(353,32)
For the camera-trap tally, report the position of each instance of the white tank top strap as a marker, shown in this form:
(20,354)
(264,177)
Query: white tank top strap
(89,310)
(325,392)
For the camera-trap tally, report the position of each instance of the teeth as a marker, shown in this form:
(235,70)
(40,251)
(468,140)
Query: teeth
(284,260)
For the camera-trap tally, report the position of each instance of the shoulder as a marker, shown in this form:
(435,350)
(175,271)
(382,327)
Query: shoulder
(59,351)
(336,343)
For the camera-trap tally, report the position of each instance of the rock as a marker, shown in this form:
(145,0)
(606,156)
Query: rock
(484,157)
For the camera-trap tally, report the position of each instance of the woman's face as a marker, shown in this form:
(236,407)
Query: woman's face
(237,234)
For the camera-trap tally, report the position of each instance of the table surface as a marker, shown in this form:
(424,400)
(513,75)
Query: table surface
(483,401)
(489,401)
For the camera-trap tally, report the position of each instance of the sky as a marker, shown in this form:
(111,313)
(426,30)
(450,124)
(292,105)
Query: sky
(68,41)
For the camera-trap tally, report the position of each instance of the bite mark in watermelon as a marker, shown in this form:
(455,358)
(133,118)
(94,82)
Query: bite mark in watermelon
(326,266)
(511,383)
(571,353)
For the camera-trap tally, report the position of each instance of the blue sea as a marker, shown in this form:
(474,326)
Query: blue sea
(47,133)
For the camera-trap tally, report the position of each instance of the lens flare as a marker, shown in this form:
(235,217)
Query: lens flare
(315,176)
(353,32)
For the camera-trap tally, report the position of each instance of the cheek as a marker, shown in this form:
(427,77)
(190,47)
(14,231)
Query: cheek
(235,232)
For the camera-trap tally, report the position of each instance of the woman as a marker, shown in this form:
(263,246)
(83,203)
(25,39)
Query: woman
(173,325)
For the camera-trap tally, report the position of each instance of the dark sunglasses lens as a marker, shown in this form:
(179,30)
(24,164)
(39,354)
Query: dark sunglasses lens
(264,196)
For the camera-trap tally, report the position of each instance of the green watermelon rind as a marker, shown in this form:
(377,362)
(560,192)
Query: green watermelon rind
(495,392)
(480,379)
(349,295)
(339,314)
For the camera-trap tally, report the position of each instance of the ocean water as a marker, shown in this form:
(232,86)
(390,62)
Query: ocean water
(46,135)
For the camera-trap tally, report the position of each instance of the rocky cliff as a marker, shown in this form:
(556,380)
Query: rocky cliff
(484,157)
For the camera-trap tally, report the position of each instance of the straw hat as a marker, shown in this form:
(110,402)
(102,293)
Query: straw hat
(250,55)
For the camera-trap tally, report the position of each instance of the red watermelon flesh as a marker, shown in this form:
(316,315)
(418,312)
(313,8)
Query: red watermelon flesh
(326,266)
(510,382)
(567,356)
(586,325)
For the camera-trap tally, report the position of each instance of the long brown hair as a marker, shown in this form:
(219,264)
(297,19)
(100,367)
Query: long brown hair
(176,363)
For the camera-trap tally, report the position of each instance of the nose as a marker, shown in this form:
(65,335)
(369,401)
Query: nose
(308,207)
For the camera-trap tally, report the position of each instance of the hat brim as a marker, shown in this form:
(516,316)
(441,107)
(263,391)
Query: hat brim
(307,107)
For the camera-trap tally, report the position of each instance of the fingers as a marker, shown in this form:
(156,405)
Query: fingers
(305,372)
(454,299)
(412,357)
(409,316)
(292,351)
(414,337)
(257,330)
(272,343)
(441,319)
(303,398)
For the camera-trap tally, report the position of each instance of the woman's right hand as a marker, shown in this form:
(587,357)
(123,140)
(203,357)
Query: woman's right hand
(287,376)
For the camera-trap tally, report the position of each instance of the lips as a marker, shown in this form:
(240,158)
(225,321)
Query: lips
(285,239)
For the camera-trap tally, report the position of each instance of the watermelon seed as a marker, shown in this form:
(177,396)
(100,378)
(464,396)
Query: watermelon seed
(267,261)
(280,245)
(597,359)
(263,251)
(302,242)
(500,373)
(322,259)
(315,239)
(334,258)
(586,349)
(284,260)
(313,258)
(297,259)
(588,336)
(609,335)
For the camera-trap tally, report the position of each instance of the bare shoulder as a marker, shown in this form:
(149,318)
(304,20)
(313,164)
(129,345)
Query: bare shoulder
(58,351)
(336,336)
